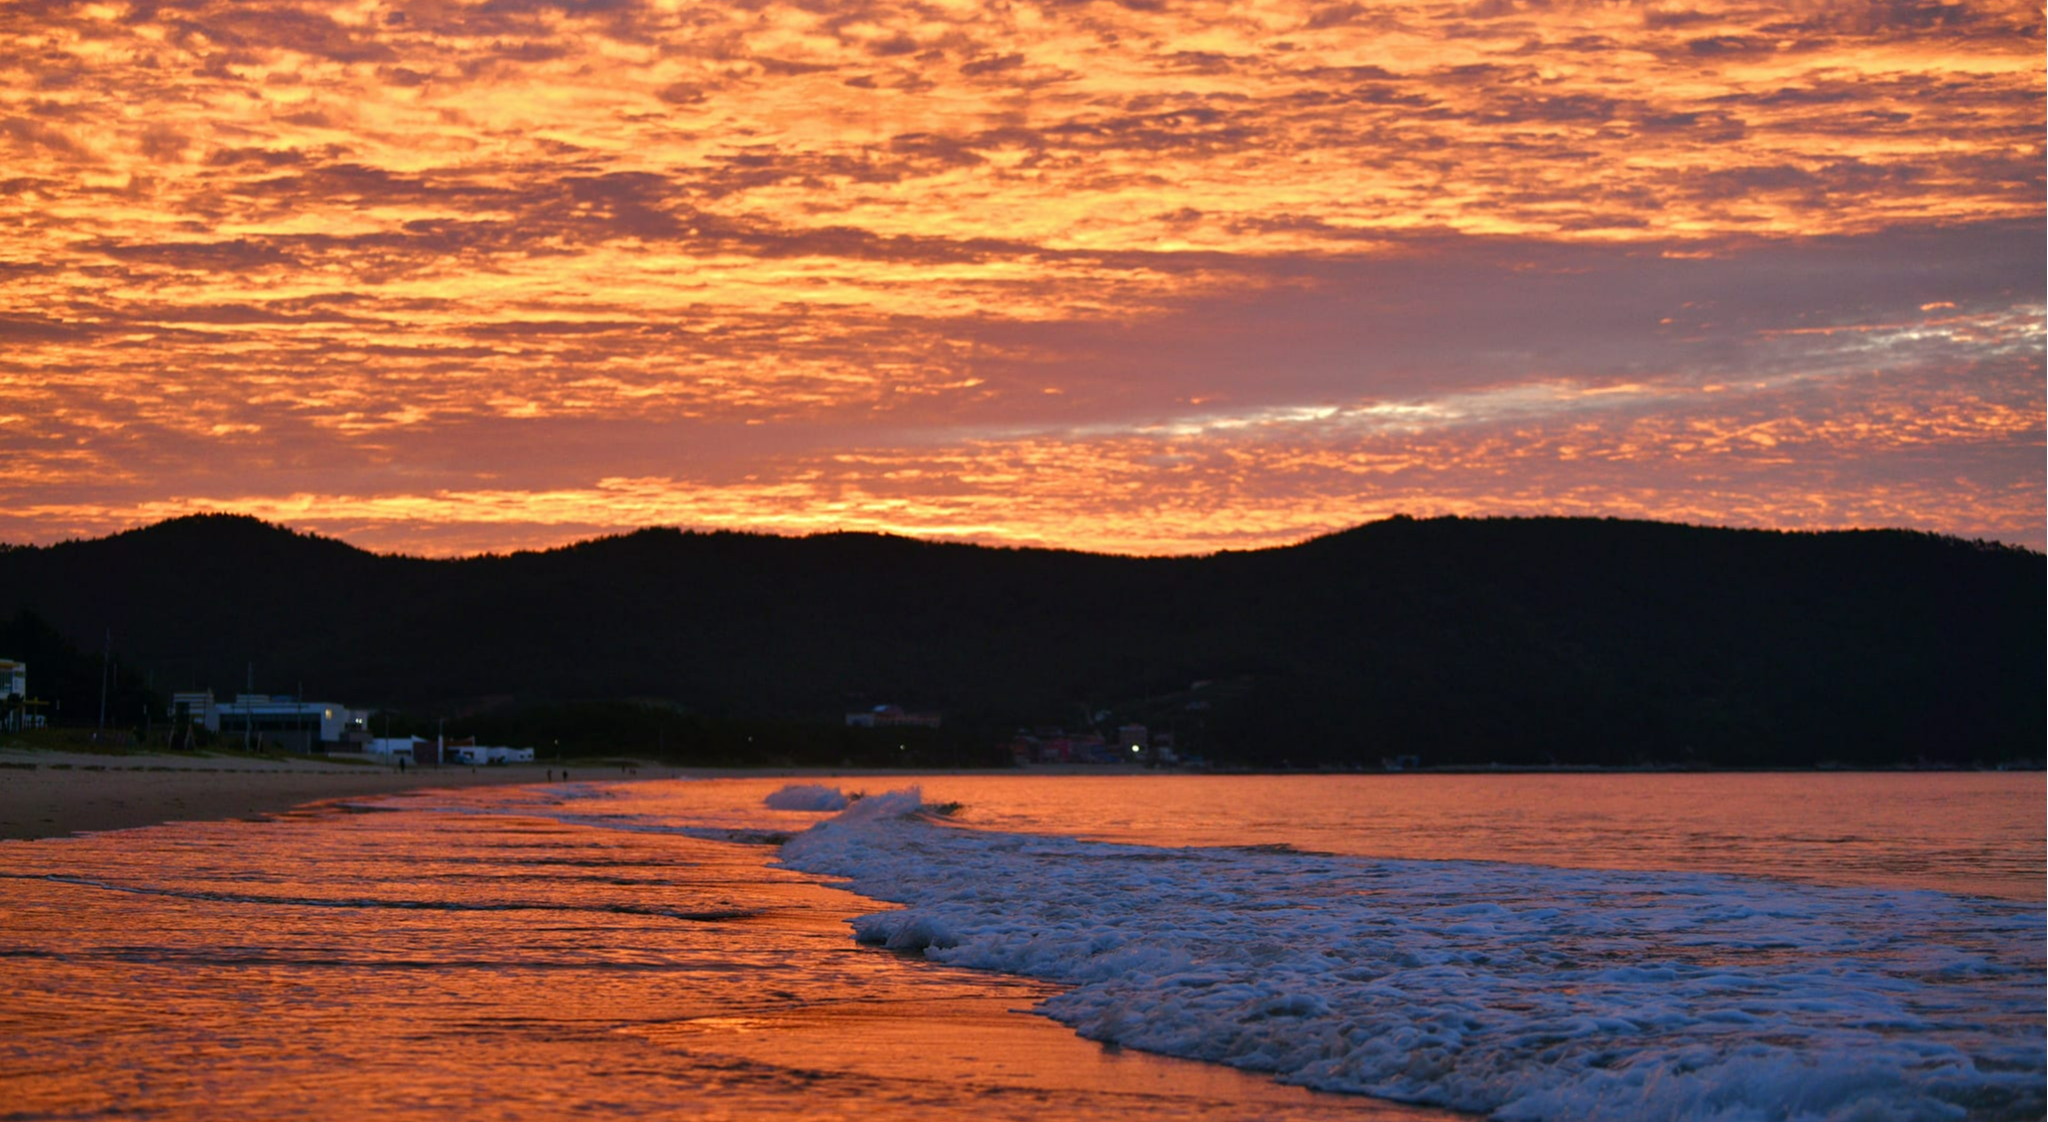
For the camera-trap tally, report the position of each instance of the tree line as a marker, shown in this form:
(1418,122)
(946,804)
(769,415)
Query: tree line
(1461,641)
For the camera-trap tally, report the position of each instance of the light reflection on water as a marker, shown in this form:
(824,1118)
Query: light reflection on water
(532,952)
(1979,833)
(488,964)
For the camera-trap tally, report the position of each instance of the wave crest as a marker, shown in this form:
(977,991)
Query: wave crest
(1525,992)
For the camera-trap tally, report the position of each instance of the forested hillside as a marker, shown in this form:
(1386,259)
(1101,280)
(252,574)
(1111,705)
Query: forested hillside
(1510,640)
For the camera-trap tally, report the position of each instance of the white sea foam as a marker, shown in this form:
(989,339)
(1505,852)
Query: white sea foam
(806,796)
(1523,992)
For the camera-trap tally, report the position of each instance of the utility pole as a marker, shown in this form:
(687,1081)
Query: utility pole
(106,658)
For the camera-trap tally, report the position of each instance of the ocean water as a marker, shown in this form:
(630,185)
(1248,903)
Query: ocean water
(1415,947)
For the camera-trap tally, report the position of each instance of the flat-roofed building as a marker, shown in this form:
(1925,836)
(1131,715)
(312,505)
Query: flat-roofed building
(891,716)
(285,721)
(395,748)
(195,707)
(489,754)
(14,695)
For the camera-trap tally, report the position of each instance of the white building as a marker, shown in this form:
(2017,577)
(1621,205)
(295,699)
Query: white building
(13,693)
(421,749)
(891,716)
(197,705)
(273,719)
(395,748)
(489,754)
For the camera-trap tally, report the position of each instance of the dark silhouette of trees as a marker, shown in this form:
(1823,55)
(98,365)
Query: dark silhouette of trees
(68,681)
(1518,641)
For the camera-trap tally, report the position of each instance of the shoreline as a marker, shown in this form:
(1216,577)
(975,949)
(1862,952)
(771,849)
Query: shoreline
(47,793)
(688,968)
(57,794)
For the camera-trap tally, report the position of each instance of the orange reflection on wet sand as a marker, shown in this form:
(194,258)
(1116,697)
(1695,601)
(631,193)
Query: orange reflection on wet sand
(335,965)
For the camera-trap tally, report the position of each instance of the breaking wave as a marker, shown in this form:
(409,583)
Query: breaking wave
(807,797)
(1524,992)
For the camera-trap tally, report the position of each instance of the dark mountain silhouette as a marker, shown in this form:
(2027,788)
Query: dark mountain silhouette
(1509,640)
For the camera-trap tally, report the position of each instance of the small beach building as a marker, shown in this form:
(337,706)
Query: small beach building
(392,749)
(891,716)
(195,707)
(14,693)
(284,721)
(1057,747)
(490,754)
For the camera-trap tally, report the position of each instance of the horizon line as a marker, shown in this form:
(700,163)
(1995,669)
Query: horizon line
(339,537)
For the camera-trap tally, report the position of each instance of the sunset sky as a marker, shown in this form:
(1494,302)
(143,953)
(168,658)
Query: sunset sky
(1141,276)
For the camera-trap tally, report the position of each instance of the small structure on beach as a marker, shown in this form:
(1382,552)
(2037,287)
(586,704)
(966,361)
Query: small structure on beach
(1134,744)
(14,693)
(421,750)
(891,716)
(489,754)
(1057,746)
(274,720)
(396,749)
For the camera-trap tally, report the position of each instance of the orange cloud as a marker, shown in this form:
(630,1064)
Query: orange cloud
(425,270)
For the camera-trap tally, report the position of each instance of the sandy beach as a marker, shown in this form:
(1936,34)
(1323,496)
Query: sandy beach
(53,794)
(46,794)
(591,951)
(581,968)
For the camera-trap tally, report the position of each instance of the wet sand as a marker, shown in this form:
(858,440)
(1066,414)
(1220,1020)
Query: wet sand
(54,794)
(574,988)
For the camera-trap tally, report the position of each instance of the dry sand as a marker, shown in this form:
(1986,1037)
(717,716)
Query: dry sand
(47,794)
